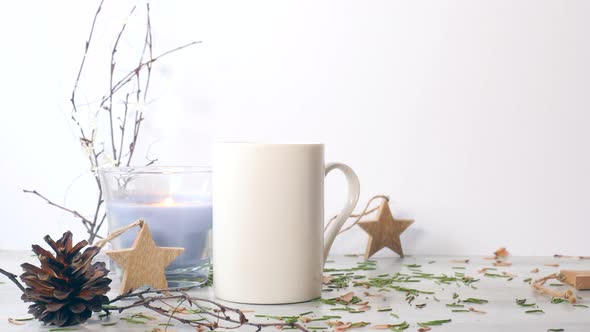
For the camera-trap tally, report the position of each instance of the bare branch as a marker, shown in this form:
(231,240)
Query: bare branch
(219,313)
(122,150)
(129,76)
(111,94)
(123,127)
(85,220)
(86,47)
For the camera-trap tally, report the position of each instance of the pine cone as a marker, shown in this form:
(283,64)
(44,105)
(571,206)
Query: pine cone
(67,288)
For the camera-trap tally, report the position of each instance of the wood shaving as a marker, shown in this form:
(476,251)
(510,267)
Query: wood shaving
(552,265)
(472,309)
(464,261)
(372,295)
(535,270)
(424,329)
(485,270)
(340,326)
(365,308)
(502,263)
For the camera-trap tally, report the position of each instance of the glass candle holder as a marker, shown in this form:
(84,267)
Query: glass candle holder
(175,202)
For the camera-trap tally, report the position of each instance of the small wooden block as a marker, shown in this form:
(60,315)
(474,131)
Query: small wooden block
(579,279)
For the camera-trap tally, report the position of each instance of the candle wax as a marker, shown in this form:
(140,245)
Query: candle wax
(173,222)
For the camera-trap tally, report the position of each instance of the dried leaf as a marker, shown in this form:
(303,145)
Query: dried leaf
(346,297)
(536,270)
(501,252)
(552,265)
(424,329)
(365,308)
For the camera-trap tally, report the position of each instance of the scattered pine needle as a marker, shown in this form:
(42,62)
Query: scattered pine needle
(464,261)
(15,322)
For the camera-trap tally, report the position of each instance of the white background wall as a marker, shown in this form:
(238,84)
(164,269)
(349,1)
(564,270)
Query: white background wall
(472,115)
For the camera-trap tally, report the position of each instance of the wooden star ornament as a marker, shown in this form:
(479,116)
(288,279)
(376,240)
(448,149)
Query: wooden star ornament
(144,263)
(385,231)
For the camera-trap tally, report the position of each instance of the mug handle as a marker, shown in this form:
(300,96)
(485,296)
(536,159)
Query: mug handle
(354,189)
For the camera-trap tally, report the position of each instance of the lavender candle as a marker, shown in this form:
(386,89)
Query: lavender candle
(176,204)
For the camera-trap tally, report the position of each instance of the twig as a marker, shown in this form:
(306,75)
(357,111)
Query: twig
(122,127)
(86,47)
(129,76)
(111,94)
(88,137)
(220,313)
(12,278)
(85,220)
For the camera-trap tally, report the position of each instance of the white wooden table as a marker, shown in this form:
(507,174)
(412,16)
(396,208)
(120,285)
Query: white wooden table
(503,314)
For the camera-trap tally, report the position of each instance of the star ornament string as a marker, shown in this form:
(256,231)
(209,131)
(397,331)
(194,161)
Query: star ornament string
(383,232)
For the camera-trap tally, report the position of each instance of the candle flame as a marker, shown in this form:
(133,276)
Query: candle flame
(168,201)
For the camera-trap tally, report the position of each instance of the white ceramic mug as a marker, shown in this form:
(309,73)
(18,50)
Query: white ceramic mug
(269,245)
